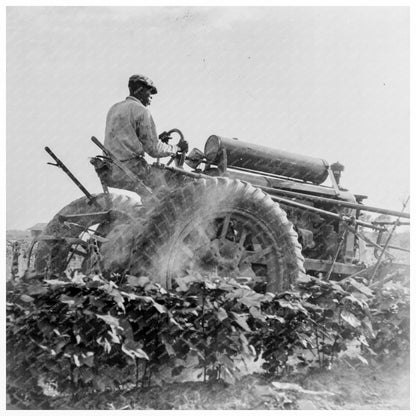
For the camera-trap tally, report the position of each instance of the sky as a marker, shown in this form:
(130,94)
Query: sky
(330,82)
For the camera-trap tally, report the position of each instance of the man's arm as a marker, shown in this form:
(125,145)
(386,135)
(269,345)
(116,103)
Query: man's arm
(146,132)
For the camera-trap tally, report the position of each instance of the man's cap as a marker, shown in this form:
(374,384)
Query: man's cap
(144,80)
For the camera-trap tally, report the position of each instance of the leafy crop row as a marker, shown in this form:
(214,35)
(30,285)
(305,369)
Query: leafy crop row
(84,333)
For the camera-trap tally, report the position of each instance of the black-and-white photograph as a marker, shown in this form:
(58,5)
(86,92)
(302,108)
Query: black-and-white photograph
(208,207)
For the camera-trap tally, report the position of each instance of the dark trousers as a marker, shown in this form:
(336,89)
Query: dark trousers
(152,176)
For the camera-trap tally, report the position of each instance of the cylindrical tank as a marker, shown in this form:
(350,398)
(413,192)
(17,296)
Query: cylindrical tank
(263,159)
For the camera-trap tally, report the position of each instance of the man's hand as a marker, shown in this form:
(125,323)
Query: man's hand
(164,137)
(183,146)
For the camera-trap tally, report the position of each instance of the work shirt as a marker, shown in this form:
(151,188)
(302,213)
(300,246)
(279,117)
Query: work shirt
(130,132)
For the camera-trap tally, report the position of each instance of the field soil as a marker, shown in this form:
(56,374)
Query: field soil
(344,387)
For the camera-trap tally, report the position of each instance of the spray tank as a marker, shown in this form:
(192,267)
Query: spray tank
(253,157)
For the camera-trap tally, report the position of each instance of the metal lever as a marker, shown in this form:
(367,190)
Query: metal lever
(61,165)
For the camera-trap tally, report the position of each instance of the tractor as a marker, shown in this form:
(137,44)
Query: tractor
(237,210)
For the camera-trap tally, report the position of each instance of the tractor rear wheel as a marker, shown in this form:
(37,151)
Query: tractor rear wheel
(219,227)
(60,240)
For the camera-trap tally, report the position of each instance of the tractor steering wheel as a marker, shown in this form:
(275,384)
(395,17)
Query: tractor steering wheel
(180,157)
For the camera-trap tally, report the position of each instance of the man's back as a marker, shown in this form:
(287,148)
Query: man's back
(125,120)
(130,132)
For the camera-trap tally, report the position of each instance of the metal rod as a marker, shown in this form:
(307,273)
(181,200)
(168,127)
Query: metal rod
(337,253)
(392,248)
(322,199)
(333,181)
(387,242)
(390,223)
(325,213)
(190,174)
(337,202)
(399,248)
(366,269)
(346,204)
(288,201)
(76,247)
(271,175)
(29,254)
(367,240)
(60,164)
(141,187)
(86,215)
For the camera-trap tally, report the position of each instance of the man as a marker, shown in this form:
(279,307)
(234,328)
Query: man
(131,132)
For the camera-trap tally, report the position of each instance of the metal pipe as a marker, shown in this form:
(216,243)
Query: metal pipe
(284,200)
(267,175)
(390,223)
(387,242)
(337,202)
(325,213)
